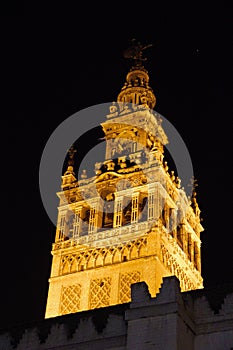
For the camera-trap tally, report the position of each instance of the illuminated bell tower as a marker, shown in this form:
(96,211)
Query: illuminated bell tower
(132,221)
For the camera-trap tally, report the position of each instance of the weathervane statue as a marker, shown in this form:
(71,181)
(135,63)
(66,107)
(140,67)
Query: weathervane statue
(135,51)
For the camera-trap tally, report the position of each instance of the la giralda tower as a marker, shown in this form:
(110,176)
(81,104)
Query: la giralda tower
(138,223)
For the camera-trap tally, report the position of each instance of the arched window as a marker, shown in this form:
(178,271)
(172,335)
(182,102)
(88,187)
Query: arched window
(108,213)
(180,235)
(189,246)
(127,211)
(143,208)
(69,222)
(85,215)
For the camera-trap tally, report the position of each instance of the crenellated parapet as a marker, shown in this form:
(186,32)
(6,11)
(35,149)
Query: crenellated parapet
(188,316)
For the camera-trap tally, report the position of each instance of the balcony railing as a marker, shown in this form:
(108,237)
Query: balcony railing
(108,236)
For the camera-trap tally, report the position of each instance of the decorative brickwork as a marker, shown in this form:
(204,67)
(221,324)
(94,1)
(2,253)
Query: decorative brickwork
(175,266)
(70,299)
(126,280)
(93,257)
(100,292)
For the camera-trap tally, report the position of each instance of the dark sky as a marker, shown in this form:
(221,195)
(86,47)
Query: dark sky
(53,66)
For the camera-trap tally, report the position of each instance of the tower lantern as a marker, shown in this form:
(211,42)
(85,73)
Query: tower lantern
(136,89)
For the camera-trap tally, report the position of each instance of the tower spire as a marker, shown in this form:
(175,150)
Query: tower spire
(71,152)
(69,176)
(136,89)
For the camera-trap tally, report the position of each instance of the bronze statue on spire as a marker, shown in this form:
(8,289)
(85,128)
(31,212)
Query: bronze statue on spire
(135,52)
(71,152)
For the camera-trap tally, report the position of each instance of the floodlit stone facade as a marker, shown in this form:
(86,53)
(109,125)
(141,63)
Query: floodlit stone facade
(132,221)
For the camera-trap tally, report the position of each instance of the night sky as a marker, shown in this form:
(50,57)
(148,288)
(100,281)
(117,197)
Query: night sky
(54,66)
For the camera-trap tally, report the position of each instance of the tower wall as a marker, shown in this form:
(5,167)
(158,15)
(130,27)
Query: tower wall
(106,279)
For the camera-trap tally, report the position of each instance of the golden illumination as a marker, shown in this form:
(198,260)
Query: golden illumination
(131,222)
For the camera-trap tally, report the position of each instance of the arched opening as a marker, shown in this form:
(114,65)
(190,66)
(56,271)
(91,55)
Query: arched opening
(108,208)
